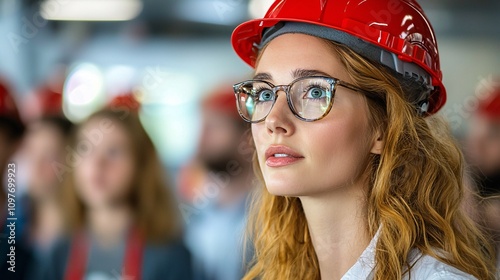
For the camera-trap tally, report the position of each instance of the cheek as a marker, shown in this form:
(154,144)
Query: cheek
(258,135)
(84,169)
(336,152)
(46,164)
(342,143)
(84,173)
(340,151)
(109,181)
(122,173)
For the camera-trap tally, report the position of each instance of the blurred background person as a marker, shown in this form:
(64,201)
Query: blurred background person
(483,152)
(11,132)
(44,146)
(121,215)
(215,226)
(42,153)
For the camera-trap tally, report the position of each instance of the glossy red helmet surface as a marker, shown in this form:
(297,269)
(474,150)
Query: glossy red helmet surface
(397,26)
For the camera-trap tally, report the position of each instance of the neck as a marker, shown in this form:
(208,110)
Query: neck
(338,229)
(46,225)
(109,222)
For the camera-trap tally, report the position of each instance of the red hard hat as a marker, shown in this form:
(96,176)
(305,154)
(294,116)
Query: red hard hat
(125,101)
(9,114)
(8,108)
(395,33)
(490,106)
(221,99)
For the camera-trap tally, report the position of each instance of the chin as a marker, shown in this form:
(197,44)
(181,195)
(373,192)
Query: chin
(284,187)
(284,192)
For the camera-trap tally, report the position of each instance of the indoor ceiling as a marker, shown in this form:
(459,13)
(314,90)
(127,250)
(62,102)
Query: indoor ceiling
(211,17)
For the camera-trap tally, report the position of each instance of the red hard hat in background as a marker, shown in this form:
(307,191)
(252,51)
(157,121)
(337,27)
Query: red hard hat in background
(489,106)
(8,108)
(395,33)
(45,101)
(9,114)
(46,98)
(126,101)
(221,99)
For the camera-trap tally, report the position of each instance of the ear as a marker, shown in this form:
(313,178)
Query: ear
(377,143)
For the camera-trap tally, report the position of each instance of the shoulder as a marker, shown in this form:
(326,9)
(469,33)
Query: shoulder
(430,268)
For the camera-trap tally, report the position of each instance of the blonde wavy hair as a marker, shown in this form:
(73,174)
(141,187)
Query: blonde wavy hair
(416,192)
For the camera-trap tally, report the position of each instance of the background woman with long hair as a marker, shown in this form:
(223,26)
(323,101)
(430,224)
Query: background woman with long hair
(360,181)
(122,218)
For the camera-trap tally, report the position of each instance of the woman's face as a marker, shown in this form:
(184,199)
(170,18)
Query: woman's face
(483,145)
(105,173)
(44,145)
(328,154)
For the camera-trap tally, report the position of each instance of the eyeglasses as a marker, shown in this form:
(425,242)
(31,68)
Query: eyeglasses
(309,98)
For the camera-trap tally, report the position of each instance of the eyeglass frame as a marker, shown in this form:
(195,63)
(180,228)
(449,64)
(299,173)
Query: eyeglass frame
(286,88)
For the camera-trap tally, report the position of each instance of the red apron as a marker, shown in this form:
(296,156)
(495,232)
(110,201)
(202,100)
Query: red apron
(77,262)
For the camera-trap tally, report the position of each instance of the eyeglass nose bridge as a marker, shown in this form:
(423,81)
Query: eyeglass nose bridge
(283,88)
(286,90)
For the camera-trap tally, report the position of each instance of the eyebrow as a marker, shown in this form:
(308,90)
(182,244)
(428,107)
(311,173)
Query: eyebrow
(297,73)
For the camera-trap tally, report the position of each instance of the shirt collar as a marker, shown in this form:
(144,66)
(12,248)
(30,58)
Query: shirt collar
(363,268)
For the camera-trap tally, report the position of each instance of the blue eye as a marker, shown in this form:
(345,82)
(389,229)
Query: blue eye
(315,92)
(265,95)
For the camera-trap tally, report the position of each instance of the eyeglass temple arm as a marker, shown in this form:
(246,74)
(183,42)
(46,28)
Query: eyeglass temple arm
(369,94)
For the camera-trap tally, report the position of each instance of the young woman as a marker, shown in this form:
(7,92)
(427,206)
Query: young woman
(121,214)
(360,182)
(43,147)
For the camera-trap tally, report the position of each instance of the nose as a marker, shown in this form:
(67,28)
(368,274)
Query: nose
(96,158)
(280,119)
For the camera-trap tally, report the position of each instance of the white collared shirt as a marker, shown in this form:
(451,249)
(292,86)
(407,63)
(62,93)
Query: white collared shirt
(425,267)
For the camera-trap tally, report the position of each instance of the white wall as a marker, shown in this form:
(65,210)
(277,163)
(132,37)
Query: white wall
(465,62)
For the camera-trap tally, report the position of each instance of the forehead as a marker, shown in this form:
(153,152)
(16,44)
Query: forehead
(289,52)
(104,129)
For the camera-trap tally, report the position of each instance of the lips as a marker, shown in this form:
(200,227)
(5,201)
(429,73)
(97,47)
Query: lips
(279,155)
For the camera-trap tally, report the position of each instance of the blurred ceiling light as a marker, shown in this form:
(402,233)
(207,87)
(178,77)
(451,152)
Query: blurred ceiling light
(166,87)
(90,10)
(258,8)
(83,91)
(83,84)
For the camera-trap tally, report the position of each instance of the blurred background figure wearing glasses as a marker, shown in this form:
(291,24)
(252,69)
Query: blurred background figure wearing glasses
(216,224)
(483,152)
